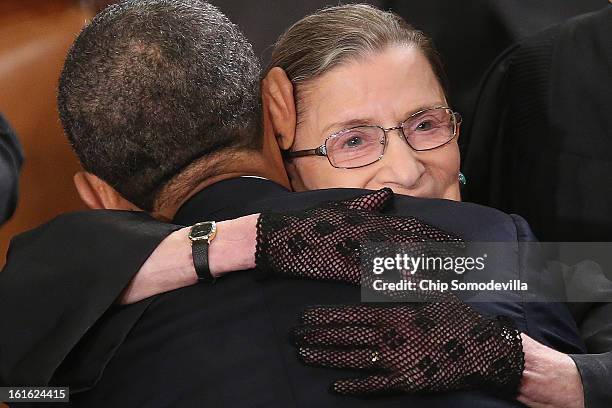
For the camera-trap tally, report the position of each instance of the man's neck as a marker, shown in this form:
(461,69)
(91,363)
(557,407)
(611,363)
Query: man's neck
(252,167)
(230,175)
(227,199)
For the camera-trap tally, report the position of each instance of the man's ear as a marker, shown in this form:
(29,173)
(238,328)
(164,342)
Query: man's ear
(98,194)
(278,100)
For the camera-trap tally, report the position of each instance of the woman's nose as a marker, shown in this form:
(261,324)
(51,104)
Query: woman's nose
(400,163)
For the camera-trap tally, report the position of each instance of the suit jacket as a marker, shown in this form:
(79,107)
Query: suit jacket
(11,158)
(227,344)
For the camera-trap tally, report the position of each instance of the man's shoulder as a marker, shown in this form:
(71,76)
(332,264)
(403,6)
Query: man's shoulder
(471,221)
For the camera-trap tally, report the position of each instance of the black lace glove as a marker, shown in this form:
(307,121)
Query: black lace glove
(328,242)
(418,347)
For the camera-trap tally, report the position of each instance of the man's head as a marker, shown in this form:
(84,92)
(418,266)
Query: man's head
(153,88)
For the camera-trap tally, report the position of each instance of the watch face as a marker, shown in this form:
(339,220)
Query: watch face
(202,230)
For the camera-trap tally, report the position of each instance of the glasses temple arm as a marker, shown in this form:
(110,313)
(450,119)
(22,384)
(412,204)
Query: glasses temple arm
(319,151)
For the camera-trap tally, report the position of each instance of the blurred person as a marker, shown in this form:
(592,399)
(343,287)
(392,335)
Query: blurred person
(540,144)
(11,158)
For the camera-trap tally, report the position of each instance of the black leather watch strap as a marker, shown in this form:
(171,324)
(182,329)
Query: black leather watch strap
(199,250)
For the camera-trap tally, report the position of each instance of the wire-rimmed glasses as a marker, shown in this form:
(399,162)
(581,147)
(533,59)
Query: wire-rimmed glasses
(361,146)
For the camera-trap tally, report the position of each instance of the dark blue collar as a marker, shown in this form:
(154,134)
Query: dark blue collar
(220,200)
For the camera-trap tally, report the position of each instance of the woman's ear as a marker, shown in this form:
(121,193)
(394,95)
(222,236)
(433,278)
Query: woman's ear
(279,102)
(98,194)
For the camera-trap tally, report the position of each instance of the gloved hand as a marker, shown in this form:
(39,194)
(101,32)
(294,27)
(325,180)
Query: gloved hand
(329,242)
(415,347)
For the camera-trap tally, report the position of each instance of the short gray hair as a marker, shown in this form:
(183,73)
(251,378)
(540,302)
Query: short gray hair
(335,35)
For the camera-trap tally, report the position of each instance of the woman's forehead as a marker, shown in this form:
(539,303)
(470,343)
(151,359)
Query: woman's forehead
(385,86)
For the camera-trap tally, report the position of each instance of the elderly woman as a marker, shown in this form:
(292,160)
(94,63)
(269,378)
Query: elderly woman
(356,98)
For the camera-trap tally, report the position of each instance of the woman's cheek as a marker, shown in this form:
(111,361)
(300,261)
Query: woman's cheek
(316,175)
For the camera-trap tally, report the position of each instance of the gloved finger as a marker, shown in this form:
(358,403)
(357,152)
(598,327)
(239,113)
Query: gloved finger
(336,336)
(414,228)
(374,384)
(361,358)
(337,315)
(374,201)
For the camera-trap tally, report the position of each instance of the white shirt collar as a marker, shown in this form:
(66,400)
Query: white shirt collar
(257,177)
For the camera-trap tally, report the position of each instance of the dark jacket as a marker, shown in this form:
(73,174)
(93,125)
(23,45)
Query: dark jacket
(224,344)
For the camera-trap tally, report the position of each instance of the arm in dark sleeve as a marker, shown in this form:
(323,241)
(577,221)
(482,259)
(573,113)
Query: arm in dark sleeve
(11,158)
(596,373)
(59,280)
(594,321)
(596,367)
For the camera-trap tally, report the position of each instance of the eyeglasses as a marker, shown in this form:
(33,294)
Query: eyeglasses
(361,146)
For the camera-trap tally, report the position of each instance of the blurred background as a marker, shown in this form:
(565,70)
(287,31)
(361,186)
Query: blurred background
(36,34)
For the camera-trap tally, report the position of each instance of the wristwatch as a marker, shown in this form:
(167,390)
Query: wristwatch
(201,235)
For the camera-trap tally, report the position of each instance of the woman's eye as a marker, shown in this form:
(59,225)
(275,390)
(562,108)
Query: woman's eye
(423,126)
(354,141)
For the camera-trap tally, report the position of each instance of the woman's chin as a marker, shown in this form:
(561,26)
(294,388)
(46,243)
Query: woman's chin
(423,190)
(419,191)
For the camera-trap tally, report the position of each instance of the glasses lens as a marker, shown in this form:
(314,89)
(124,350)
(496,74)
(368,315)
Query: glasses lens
(356,147)
(430,129)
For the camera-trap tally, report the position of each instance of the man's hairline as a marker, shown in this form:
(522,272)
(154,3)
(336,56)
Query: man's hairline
(207,166)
